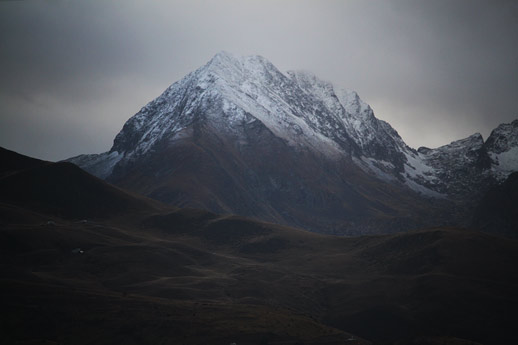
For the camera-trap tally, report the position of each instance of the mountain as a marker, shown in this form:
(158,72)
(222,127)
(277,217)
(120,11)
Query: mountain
(152,273)
(239,136)
(61,189)
(497,212)
(467,168)
(13,162)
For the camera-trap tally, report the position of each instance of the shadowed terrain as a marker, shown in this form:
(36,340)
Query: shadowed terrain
(497,212)
(113,267)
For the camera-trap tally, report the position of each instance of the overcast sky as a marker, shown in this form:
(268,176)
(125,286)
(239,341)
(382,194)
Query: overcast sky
(72,72)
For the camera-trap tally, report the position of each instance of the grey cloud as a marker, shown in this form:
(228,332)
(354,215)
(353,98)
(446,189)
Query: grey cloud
(73,71)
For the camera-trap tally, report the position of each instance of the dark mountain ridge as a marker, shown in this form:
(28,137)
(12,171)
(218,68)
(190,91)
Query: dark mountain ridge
(62,189)
(497,211)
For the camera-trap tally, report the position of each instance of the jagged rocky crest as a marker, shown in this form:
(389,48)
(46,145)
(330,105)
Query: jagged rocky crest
(281,143)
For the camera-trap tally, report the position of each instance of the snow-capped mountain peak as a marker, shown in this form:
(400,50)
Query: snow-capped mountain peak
(231,95)
(368,135)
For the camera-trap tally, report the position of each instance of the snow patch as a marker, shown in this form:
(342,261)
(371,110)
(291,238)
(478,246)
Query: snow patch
(100,165)
(505,163)
(417,168)
(423,190)
(371,166)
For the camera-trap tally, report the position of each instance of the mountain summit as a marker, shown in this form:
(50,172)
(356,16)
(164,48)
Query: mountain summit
(239,136)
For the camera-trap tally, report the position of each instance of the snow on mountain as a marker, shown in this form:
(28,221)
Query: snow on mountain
(502,147)
(378,148)
(100,165)
(346,115)
(226,92)
(503,138)
(456,166)
(505,162)
(230,93)
(463,166)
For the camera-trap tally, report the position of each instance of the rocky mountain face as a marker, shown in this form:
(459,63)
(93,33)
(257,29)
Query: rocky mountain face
(467,168)
(239,136)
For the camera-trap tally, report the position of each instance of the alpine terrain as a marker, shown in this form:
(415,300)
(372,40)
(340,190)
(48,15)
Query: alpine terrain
(85,262)
(239,136)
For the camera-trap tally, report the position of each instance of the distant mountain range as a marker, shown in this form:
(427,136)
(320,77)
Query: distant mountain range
(239,136)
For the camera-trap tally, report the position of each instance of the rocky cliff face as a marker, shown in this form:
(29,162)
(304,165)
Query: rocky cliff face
(502,149)
(466,168)
(457,167)
(239,136)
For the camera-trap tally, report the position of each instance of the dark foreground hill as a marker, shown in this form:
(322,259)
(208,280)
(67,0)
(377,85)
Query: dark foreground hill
(63,189)
(145,274)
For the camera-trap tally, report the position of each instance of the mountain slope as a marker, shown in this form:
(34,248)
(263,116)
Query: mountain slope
(239,136)
(459,167)
(165,275)
(502,148)
(467,168)
(13,162)
(497,212)
(62,189)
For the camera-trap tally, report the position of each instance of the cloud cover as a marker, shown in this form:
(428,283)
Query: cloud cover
(72,72)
